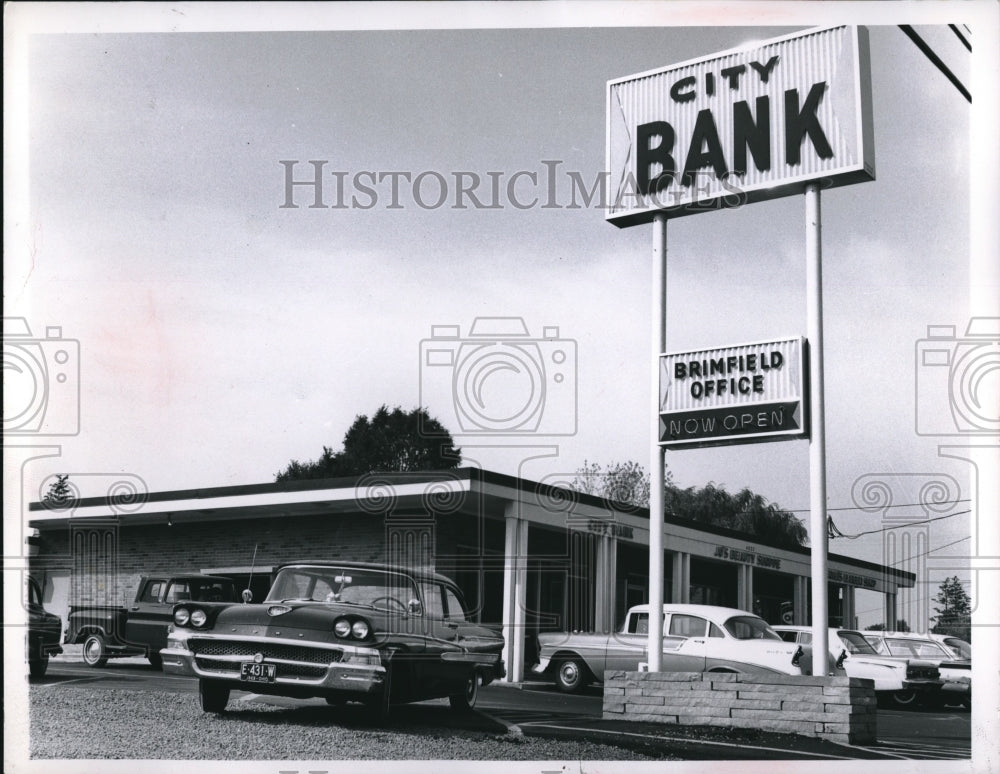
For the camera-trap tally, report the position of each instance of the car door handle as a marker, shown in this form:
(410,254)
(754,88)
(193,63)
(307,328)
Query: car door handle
(451,625)
(133,609)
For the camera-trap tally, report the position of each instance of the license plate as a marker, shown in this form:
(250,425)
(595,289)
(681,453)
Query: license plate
(257,673)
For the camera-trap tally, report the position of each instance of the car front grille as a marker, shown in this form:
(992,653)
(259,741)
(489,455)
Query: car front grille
(205,649)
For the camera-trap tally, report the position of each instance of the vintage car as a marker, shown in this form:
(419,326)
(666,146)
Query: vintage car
(956,673)
(696,638)
(344,631)
(901,682)
(44,631)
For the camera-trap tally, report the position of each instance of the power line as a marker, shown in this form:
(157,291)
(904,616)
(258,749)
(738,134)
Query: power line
(935,60)
(882,508)
(833,532)
(932,550)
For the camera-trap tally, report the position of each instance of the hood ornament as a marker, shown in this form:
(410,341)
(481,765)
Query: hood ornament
(278,610)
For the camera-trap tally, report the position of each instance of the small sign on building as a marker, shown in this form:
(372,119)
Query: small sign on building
(728,395)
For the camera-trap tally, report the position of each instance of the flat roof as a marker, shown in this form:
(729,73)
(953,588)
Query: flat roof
(341,492)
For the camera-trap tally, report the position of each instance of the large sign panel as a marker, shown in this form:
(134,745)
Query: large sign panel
(740,126)
(740,394)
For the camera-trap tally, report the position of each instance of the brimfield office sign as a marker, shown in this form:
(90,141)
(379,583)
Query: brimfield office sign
(739,394)
(741,126)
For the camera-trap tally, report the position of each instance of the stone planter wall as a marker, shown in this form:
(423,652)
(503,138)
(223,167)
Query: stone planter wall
(839,709)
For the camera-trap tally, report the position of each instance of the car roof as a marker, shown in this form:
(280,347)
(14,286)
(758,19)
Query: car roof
(706,611)
(414,572)
(187,576)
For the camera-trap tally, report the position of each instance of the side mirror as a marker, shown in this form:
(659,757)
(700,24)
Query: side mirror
(841,659)
(247,596)
(414,608)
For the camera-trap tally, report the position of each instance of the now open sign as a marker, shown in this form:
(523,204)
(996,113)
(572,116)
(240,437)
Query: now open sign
(741,126)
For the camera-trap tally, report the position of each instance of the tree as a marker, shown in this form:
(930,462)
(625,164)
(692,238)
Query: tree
(621,482)
(59,493)
(746,511)
(953,610)
(390,441)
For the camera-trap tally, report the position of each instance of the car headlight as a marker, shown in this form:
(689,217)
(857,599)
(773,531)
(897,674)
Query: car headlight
(198,618)
(360,629)
(342,627)
(181,616)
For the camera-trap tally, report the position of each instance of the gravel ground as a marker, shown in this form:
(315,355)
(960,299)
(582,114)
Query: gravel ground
(122,724)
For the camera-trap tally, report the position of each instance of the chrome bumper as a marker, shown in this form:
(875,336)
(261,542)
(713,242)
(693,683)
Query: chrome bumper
(351,668)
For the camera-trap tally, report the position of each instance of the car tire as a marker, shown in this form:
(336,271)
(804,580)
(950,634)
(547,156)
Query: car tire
(465,700)
(571,675)
(95,651)
(155,659)
(38,666)
(214,696)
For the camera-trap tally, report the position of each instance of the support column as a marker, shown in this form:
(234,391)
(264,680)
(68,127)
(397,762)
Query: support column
(890,611)
(847,607)
(818,538)
(657,455)
(604,596)
(744,592)
(800,601)
(680,579)
(515,583)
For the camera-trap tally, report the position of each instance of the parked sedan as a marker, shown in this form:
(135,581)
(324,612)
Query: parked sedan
(900,681)
(344,631)
(696,638)
(956,674)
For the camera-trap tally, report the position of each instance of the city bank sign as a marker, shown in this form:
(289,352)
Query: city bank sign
(740,394)
(746,125)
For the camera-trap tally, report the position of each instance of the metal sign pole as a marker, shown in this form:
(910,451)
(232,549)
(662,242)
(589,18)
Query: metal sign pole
(817,428)
(657,452)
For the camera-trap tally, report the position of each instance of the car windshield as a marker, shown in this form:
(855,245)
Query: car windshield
(348,585)
(855,643)
(750,627)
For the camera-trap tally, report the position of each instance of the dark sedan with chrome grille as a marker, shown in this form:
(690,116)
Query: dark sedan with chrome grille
(344,631)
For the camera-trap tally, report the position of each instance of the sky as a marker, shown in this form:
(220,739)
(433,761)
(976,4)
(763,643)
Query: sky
(221,334)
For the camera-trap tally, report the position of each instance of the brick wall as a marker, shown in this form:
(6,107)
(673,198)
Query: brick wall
(106,560)
(839,709)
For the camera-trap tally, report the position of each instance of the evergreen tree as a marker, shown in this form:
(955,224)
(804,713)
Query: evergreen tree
(953,610)
(60,493)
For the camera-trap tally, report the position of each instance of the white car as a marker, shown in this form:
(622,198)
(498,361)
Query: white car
(696,638)
(902,681)
(956,673)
